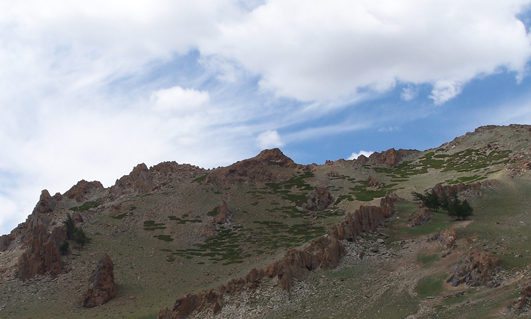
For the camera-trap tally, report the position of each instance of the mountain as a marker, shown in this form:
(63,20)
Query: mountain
(268,238)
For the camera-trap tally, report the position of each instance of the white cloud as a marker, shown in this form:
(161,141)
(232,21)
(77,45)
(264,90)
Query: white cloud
(389,129)
(178,100)
(312,49)
(356,155)
(444,91)
(269,139)
(409,93)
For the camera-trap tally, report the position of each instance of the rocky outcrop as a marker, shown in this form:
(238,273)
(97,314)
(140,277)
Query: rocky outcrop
(46,203)
(223,214)
(42,255)
(5,241)
(364,220)
(318,199)
(476,269)
(139,181)
(419,217)
(101,284)
(389,158)
(261,168)
(323,252)
(83,189)
(450,190)
(525,294)
(142,180)
(446,237)
(373,182)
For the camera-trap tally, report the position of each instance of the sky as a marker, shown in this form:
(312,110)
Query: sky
(89,89)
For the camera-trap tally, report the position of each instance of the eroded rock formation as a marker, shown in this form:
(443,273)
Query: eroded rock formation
(83,189)
(101,284)
(323,252)
(318,199)
(42,255)
(476,269)
(260,168)
(223,214)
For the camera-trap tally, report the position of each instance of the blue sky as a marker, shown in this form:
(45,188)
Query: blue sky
(90,89)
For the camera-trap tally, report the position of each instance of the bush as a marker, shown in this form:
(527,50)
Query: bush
(74,233)
(63,248)
(80,237)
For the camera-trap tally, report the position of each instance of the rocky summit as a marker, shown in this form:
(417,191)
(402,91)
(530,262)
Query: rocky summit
(441,233)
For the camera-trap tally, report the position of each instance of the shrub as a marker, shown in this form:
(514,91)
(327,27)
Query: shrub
(63,248)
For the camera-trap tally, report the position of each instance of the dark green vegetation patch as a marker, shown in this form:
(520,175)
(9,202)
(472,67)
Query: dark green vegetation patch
(86,206)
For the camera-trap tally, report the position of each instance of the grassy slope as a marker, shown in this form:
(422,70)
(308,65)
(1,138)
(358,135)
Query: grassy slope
(160,251)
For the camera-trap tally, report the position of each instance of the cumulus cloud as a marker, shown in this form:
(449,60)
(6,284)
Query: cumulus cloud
(409,93)
(178,100)
(269,139)
(314,50)
(356,155)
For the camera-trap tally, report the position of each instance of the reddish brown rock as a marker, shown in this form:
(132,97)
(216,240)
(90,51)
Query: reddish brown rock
(525,294)
(318,199)
(42,255)
(476,269)
(261,168)
(83,189)
(419,217)
(223,214)
(373,182)
(46,203)
(323,252)
(5,241)
(389,158)
(139,181)
(101,284)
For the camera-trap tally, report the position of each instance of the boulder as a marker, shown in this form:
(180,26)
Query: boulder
(318,199)
(223,214)
(373,182)
(101,286)
(476,269)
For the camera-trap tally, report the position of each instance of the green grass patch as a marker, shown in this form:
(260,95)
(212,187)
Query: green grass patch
(427,260)
(86,206)
(152,225)
(164,237)
(430,286)
(199,179)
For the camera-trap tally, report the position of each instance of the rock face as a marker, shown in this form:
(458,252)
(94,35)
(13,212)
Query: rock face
(389,158)
(447,237)
(42,255)
(260,168)
(82,190)
(450,190)
(143,180)
(365,219)
(5,241)
(476,269)
(223,214)
(525,295)
(318,199)
(101,284)
(46,203)
(323,252)
(419,217)
(373,182)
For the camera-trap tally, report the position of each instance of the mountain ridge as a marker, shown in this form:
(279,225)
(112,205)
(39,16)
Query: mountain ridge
(171,209)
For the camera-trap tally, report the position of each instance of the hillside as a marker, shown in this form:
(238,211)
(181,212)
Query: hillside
(269,238)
